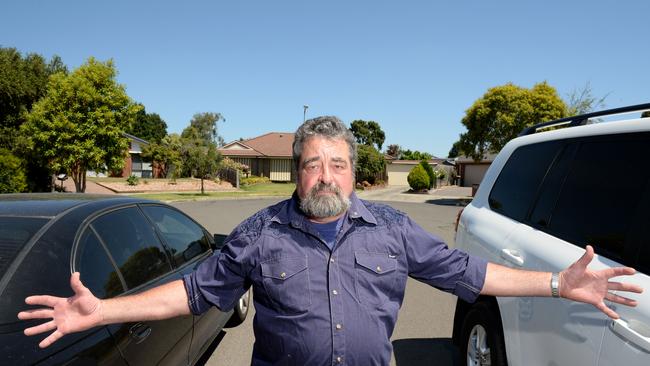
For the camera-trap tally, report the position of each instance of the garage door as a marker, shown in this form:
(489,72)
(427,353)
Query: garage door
(474,174)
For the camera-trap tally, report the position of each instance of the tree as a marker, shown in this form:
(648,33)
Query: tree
(203,160)
(166,154)
(12,176)
(503,111)
(455,150)
(23,81)
(368,133)
(370,162)
(203,126)
(394,150)
(79,125)
(416,155)
(148,126)
(581,101)
(199,139)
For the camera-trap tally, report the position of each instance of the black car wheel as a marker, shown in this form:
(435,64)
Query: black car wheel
(241,310)
(482,338)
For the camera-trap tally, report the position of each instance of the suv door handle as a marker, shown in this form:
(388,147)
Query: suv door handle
(512,256)
(140,332)
(623,329)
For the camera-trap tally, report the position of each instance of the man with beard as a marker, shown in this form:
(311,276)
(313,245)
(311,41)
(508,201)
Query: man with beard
(328,270)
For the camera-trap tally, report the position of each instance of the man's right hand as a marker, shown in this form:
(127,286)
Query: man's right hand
(74,314)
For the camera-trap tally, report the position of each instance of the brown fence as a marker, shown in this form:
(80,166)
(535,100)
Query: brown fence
(229,175)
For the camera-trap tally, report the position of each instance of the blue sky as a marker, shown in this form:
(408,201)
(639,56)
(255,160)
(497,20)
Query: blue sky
(412,66)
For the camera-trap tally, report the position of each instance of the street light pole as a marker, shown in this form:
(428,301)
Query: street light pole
(304,112)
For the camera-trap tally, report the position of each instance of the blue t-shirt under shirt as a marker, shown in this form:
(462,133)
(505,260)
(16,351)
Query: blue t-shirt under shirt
(328,230)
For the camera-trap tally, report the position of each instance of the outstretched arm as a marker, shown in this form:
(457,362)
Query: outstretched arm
(577,283)
(83,310)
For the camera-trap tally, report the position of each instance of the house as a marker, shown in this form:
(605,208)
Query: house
(398,170)
(470,171)
(269,155)
(133,163)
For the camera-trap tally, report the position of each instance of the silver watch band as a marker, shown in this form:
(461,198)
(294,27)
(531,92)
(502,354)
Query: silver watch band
(555,284)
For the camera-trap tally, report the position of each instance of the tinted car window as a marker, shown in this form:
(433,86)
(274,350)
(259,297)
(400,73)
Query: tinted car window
(598,202)
(14,233)
(97,271)
(550,189)
(519,180)
(184,238)
(133,245)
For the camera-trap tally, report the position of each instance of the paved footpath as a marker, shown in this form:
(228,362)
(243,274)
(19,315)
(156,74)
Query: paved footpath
(402,194)
(91,187)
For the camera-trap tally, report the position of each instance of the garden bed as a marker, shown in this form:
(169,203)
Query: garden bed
(165,185)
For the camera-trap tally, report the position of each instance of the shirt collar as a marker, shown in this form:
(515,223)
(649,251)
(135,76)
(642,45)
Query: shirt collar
(291,212)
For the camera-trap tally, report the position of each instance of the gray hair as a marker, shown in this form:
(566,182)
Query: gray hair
(325,126)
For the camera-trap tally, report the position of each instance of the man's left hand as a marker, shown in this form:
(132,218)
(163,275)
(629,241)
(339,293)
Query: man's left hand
(579,283)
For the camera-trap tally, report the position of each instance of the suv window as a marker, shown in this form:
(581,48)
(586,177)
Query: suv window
(518,183)
(133,245)
(600,197)
(97,271)
(184,238)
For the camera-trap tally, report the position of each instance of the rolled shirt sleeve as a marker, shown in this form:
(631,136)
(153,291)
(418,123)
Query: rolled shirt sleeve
(432,262)
(221,279)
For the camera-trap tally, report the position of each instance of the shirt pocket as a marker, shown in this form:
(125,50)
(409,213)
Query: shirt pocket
(376,275)
(286,282)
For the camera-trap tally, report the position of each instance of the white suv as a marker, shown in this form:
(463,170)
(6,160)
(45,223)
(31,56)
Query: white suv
(544,198)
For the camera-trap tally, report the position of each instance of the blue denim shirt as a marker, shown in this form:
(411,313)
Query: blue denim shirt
(320,307)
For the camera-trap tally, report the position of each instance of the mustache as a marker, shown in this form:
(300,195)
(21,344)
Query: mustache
(322,187)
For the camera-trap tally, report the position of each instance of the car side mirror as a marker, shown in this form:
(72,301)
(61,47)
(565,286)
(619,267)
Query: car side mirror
(218,241)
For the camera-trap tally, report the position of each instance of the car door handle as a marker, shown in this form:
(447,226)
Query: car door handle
(623,329)
(512,256)
(140,332)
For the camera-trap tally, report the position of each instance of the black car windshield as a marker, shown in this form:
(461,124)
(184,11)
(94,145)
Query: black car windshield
(15,232)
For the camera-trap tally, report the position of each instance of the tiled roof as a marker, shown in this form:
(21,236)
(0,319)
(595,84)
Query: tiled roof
(272,144)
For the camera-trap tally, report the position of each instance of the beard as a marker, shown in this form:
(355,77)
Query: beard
(321,206)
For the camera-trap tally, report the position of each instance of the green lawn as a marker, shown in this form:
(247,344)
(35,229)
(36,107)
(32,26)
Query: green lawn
(257,190)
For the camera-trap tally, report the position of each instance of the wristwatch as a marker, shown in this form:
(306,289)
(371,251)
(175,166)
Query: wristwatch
(555,284)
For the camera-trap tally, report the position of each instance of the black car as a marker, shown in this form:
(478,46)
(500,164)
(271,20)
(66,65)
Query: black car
(120,246)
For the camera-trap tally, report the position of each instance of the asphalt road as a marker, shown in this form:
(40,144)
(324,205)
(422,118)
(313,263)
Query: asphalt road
(423,331)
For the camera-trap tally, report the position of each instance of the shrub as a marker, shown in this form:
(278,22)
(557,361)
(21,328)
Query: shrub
(418,178)
(252,180)
(12,175)
(441,173)
(132,180)
(432,176)
(228,163)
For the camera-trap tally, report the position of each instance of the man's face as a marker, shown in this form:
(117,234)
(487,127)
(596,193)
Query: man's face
(325,179)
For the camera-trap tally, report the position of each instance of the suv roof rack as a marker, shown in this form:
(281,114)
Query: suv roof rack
(583,118)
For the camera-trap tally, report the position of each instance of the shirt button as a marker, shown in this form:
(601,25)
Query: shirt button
(339,359)
(335,292)
(283,275)
(378,269)
(339,326)
(332,260)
